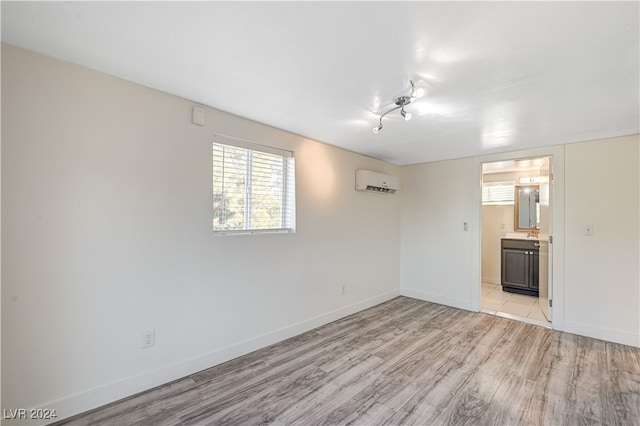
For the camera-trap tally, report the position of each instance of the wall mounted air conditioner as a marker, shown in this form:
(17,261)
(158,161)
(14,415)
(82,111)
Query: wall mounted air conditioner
(366,180)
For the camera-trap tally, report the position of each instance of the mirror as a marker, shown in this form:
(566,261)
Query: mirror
(527,207)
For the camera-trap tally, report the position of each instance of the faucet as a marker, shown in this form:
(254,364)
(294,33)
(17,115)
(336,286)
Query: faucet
(533,233)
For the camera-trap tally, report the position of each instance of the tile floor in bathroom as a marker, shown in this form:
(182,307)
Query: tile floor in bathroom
(495,300)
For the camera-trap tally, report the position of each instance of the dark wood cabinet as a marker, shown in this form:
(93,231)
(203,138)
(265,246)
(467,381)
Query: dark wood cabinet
(520,260)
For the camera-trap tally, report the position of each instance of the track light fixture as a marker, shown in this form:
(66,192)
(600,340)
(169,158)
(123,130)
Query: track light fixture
(401,102)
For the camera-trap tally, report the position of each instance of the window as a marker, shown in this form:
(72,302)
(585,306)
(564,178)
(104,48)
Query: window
(253,187)
(496,193)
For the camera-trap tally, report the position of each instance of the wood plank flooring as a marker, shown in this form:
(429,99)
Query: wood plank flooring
(403,362)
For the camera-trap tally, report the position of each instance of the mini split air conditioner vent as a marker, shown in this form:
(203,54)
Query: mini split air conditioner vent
(366,180)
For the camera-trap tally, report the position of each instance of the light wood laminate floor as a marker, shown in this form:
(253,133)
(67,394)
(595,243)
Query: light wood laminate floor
(404,362)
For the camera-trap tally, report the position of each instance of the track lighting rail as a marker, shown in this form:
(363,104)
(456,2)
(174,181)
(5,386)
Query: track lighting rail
(400,102)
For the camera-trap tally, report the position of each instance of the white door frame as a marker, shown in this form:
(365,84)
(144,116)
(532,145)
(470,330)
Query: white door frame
(557,154)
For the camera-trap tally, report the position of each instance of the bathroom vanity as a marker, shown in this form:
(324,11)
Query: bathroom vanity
(520,265)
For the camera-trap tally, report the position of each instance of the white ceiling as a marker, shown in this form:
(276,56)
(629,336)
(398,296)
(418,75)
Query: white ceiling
(498,76)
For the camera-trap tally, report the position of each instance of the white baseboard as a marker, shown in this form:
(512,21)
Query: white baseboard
(438,298)
(607,334)
(110,392)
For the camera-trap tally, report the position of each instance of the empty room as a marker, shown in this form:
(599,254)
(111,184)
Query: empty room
(316,213)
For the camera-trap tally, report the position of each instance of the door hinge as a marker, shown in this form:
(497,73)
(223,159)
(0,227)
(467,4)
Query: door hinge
(550,239)
(551,177)
(550,303)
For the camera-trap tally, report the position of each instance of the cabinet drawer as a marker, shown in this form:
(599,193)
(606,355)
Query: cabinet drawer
(519,244)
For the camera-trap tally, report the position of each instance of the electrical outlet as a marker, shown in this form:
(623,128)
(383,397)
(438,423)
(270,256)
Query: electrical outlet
(343,289)
(148,338)
(587,230)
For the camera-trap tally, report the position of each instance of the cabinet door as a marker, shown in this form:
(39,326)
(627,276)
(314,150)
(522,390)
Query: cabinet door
(534,262)
(515,267)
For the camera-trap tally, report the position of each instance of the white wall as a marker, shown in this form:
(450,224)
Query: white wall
(106,232)
(596,279)
(497,220)
(602,271)
(437,199)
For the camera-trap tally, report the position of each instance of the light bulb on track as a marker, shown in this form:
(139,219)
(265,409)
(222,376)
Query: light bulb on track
(400,103)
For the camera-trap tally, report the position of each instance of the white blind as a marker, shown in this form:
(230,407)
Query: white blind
(253,188)
(494,193)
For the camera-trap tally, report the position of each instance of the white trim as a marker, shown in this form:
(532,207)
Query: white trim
(253,231)
(491,280)
(608,334)
(253,146)
(438,298)
(531,321)
(108,393)
(558,288)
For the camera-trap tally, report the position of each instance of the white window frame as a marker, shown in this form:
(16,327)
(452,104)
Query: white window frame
(288,203)
(498,193)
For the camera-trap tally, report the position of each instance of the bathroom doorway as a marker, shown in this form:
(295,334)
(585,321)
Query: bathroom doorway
(515,251)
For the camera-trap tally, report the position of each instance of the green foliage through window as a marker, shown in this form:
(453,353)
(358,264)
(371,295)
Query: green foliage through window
(253,187)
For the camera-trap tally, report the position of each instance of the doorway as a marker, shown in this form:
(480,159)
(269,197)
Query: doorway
(515,252)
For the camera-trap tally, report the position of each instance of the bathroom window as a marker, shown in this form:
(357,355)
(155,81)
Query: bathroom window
(253,188)
(498,193)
